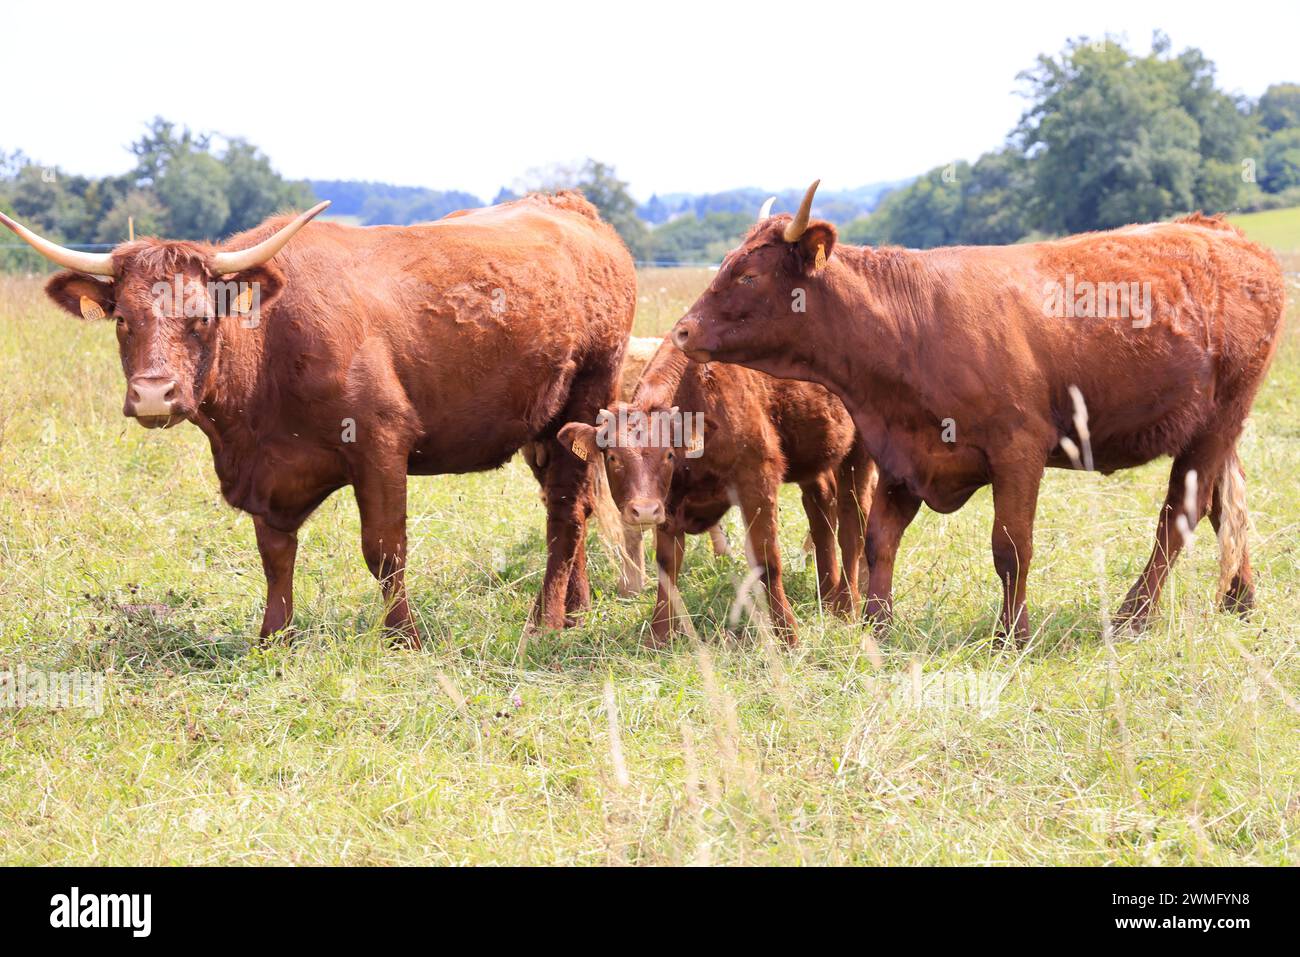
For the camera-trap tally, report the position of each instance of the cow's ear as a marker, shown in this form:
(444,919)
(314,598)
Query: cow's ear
(815,245)
(255,289)
(82,296)
(580,438)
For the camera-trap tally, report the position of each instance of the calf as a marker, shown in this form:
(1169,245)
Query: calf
(758,433)
(626,539)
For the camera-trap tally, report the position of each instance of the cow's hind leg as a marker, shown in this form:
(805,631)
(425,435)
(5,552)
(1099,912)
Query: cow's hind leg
(568,491)
(1206,456)
(1228,516)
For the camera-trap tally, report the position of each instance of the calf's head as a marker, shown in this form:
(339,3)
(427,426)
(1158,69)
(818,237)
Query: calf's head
(168,301)
(752,307)
(639,450)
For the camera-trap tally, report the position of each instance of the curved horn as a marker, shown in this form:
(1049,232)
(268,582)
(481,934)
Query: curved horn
(765,210)
(97,264)
(800,221)
(224,263)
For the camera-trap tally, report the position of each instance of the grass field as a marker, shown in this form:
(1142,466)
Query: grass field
(1277,228)
(117,556)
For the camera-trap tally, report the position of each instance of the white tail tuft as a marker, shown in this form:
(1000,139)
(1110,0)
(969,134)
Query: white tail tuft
(1234,522)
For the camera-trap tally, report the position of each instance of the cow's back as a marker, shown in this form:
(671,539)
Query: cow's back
(469,330)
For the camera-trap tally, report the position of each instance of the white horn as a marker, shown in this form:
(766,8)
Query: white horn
(766,209)
(97,264)
(224,263)
(800,222)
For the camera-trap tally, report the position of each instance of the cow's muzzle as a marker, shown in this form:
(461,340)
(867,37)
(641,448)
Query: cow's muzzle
(686,336)
(644,512)
(151,401)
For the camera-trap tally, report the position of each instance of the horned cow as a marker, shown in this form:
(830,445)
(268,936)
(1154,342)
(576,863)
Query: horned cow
(370,354)
(961,370)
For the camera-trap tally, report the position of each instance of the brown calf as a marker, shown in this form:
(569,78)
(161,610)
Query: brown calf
(758,432)
(625,539)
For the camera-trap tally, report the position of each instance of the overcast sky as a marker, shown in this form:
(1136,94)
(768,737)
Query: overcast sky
(695,96)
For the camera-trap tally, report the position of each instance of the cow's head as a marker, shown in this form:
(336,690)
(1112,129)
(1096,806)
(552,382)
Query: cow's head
(639,449)
(750,310)
(169,301)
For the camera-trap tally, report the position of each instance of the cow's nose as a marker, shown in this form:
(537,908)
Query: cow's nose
(150,397)
(682,332)
(645,512)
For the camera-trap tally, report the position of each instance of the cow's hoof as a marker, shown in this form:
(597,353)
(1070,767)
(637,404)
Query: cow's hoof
(1238,601)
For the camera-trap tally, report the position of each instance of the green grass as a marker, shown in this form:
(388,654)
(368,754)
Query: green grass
(1178,747)
(1277,228)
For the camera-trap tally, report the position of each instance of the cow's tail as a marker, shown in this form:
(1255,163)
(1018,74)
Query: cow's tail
(1234,521)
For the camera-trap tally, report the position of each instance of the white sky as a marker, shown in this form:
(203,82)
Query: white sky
(694,96)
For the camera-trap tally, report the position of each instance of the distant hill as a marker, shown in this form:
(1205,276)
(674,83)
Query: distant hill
(382,204)
(839,207)
(376,204)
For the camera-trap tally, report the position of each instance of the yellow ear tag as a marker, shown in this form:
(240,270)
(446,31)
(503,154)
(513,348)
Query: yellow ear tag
(91,309)
(821,256)
(697,444)
(245,301)
(580,450)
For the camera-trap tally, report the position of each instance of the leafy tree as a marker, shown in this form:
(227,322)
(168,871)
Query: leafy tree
(691,239)
(140,206)
(1110,139)
(254,190)
(1281,161)
(601,186)
(995,199)
(193,187)
(1279,107)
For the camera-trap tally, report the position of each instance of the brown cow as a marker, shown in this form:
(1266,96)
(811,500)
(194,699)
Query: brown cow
(757,433)
(961,367)
(374,353)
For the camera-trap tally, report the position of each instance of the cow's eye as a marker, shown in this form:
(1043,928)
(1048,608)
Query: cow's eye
(747,280)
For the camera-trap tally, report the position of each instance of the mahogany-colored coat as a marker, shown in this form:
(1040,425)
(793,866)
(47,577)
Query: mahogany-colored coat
(382,351)
(759,432)
(964,344)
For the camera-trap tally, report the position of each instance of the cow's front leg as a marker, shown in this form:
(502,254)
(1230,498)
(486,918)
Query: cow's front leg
(1015,499)
(381,499)
(892,509)
(670,547)
(278,550)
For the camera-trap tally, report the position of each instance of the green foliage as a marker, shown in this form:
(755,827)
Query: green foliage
(1109,138)
(1279,107)
(601,186)
(1281,167)
(182,187)
(699,241)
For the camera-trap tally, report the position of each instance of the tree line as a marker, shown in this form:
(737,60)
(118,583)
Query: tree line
(1108,137)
